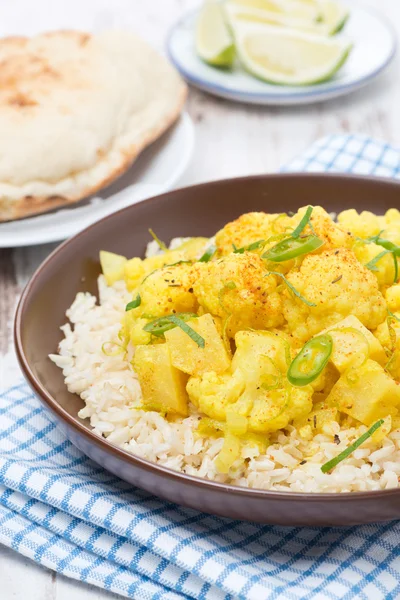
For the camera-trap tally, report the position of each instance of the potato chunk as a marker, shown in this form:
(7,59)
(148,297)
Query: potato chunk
(366,394)
(348,345)
(163,386)
(112,266)
(187,356)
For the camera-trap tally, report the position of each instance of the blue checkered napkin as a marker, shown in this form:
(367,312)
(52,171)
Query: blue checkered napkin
(340,153)
(65,512)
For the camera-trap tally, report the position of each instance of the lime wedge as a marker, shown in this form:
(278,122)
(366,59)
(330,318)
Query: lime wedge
(238,11)
(214,41)
(296,9)
(325,17)
(333,16)
(288,56)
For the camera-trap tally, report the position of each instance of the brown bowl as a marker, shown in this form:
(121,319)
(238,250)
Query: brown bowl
(194,211)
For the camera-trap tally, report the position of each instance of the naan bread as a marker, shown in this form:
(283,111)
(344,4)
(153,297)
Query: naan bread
(75,111)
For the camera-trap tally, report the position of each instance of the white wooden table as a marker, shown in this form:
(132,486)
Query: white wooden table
(231,140)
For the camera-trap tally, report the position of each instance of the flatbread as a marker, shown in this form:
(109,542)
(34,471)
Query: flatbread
(75,111)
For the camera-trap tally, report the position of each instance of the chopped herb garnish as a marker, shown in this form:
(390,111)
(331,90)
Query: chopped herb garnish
(292,288)
(303,223)
(371,265)
(249,248)
(393,316)
(331,464)
(179,262)
(389,246)
(159,326)
(208,254)
(337,279)
(196,337)
(336,439)
(231,285)
(157,239)
(134,304)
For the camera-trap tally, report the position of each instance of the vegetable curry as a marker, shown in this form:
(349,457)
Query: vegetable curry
(280,320)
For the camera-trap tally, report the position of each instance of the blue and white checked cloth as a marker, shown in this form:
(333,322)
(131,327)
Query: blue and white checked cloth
(63,511)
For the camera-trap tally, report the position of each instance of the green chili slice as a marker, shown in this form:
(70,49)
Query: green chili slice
(303,223)
(134,304)
(328,466)
(293,247)
(310,361)
(159,326)
(208,254)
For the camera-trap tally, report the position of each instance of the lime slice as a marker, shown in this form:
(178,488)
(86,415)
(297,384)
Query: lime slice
(288,56)
(214,41)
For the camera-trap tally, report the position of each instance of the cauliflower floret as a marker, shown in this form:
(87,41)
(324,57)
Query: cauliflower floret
(363,225)
(333,235)
(250,228)
(136,269)
(166,291)
(390,340)
(392,296)
(235,288)
(213,394)
(256,389)
(338,285)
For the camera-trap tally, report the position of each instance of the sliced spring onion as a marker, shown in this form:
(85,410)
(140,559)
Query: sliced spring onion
(134,304)
(293,247)
(291,288)
(272,381)
(328,466)
(179,262)
(249,248)
(303,223)
(208,254)
(393,316)
(159,242)
(196,337)
(396,268)
(371,265)
(310,361)
(387,244)
(107,348)
(390,247)
(159,326)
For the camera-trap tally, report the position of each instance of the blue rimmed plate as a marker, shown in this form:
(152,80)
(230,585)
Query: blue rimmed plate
(374,47)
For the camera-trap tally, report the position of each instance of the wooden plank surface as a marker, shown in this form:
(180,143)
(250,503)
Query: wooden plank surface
(231,140)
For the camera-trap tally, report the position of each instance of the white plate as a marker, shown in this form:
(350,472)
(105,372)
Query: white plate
(374,47)
(157,170)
